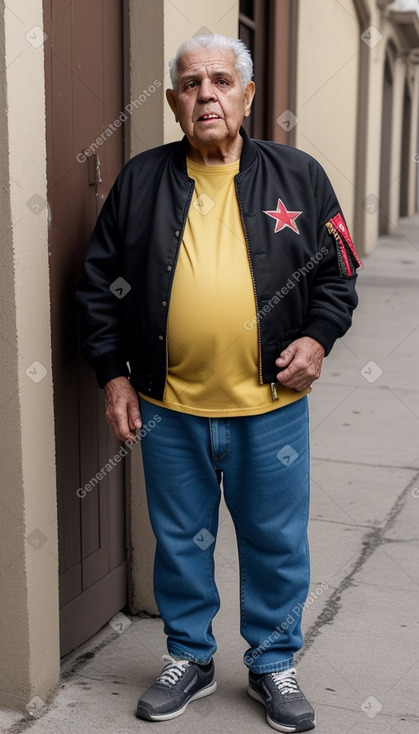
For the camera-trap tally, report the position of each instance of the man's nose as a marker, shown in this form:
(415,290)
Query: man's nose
(206,91)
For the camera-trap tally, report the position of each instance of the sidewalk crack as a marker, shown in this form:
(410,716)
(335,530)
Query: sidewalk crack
(372,540)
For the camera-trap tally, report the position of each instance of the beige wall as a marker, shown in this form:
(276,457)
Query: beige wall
(145,24)
(370,138)
(327,83)
(403,69)
(339,126)
(413,143)
(29,641)
(396,147)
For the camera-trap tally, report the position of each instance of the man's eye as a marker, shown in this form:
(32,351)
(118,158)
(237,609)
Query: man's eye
(223,82)
(190,85)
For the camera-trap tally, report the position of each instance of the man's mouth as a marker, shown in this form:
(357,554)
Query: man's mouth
(209,116)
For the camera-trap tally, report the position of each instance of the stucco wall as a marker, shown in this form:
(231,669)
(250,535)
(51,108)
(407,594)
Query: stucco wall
(145,28)
(339,96)
(29,640)
(327,83)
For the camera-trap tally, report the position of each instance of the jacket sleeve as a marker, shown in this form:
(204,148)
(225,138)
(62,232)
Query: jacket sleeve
(333,296)
(98,297)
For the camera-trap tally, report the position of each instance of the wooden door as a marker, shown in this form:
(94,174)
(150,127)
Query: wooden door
(84,95)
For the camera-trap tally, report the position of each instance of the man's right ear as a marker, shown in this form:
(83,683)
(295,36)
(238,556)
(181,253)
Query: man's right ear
(172,100)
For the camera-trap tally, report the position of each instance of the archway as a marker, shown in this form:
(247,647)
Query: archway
(386,140)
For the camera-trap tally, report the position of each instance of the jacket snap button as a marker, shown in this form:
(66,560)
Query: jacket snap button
(161,337)
(164,303)
(177,233)
(169,267)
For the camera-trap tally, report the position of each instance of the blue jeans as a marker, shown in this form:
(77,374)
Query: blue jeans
(263,461)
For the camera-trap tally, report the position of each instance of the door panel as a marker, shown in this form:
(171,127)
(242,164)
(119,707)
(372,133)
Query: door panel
(84,94)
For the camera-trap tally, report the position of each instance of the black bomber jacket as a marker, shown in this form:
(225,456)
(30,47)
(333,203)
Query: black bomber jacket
(301,256)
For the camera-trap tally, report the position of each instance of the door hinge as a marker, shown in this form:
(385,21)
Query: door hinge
(95,176)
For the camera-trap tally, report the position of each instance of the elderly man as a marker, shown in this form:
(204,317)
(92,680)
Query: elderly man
(219,274)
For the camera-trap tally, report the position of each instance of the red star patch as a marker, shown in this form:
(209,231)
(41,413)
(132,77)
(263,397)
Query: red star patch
(284,218)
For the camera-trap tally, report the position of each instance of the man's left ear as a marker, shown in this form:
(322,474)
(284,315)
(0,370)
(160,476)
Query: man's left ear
(172,100)
(249,93)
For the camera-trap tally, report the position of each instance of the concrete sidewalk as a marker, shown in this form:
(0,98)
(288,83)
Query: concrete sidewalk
(360,663)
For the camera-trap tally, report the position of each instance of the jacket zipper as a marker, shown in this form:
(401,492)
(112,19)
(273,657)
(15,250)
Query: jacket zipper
(341,242)
(273,391)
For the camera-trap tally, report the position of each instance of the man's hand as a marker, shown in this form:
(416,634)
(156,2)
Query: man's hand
(302,361)
(122,408)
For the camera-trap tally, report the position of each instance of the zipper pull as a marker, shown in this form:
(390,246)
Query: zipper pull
(274,392)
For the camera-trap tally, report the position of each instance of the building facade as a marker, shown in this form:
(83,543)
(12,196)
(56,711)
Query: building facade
(81,91)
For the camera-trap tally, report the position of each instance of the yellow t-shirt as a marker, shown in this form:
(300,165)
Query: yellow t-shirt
(213,360)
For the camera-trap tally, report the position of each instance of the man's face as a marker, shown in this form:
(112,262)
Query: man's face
(209,102)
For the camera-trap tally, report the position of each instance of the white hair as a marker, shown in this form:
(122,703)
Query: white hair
(243,65)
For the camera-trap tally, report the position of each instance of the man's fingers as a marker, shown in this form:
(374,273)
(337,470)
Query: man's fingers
(122,408)
(126,422)
(134,416)
(285,357)
(119,425)
(289,378)
(302,361)
(298,376)
(284,376)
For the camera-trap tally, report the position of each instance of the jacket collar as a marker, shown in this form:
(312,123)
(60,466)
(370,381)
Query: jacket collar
(247,157)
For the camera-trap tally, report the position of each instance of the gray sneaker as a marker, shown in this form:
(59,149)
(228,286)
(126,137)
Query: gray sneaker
(287,708)
(179,683)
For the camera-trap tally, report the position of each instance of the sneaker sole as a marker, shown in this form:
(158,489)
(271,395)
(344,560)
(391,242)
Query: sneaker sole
(166,717)
(281,727)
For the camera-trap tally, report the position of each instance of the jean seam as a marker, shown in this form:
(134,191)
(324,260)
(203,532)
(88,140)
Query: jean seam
(211,567)
(217,456)
(242,566)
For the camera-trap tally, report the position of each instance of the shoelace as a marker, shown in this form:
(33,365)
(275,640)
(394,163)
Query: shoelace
(173,671)
(286,681)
